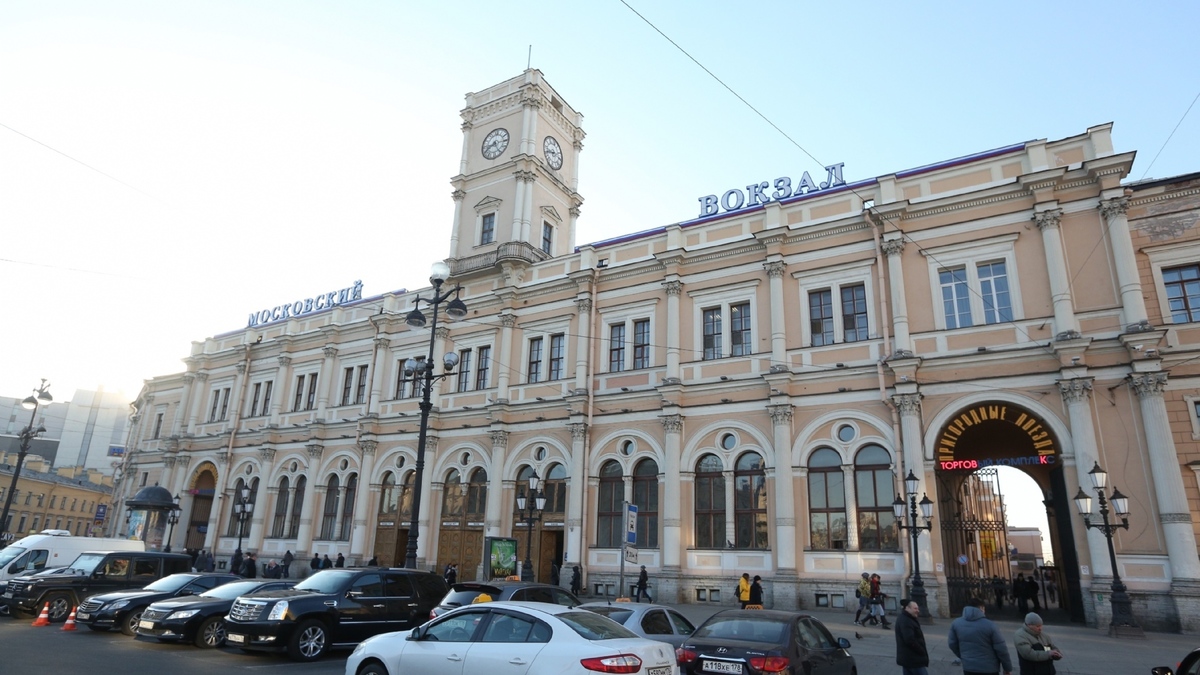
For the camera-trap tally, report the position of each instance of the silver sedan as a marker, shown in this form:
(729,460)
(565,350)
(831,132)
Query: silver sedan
(655,622)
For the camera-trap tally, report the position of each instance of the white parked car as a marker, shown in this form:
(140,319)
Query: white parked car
(513,638)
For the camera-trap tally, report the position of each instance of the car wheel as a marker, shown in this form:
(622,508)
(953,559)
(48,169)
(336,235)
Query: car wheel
(211,633)
(372,668)
(309,642)
(60,607)
(129,625)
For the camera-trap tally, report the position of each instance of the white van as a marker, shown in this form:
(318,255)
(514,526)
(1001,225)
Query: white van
(54,548)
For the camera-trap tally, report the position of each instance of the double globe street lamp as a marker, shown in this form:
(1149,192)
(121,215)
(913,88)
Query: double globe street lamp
(172,521)
(917,588)
(529,510)
(1123,624)
(40,397)
(421,372)
(243,509)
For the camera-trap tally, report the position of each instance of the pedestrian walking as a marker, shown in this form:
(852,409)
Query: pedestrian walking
(235,562)
(272,570)
(911,653)
(1033,590)
(743,590)
(1036,654)
(451,574)
(576,580)
(341,561)
(998,591)
(207,564)
(555,574)
(1052,591)
(878,613)
(1019,594)
(863,593)
(756,591)
(288,559)
(326,563)
(642,582)
(315,563)
(977,642)
(249,568)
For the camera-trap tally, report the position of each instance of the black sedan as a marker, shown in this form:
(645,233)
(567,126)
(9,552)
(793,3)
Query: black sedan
(1190,665)
(200,619)
(123,609)
(751,642)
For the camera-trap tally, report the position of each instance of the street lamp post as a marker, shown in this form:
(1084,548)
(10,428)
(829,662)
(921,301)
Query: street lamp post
(243,508)
(172,521)
(1123,624)
(917,586)
(423,374)
(41,396)
(530,511)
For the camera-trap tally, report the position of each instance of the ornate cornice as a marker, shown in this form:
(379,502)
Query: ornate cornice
(240,367)
(775,269)
(431,443)
(1166,518)
(266,454)
(382,341)
(284,360)
(169,461)
(1046,219)
(330,351)
(315,450)
(578,430)
(892,247)
(442,332)
(1075,390)
(499,438)
(780,414)
(907,404)
(672,424)
(458,195)
(583,305)
(1110,208)
(1148,384)
(525,176)
(574,210)
(508,320)
(368,447)
(673,287)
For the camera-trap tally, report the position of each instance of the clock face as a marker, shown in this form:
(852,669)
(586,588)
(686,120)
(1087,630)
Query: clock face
(553,153)
(495,143)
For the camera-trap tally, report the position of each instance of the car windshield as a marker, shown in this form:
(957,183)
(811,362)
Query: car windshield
(739,627)
(326,581)
(231,590)
(618,614)
(465,595)
(10,554)
(87,562)
(591,626)
(172,583)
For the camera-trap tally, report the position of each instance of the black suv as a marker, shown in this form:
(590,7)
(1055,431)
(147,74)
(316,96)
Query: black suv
(91,573)
(333,608)
(123,609)
(525,591)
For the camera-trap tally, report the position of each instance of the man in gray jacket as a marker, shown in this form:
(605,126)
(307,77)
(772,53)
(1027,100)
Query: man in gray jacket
(978,643)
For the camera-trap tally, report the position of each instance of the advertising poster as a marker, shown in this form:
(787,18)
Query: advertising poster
(501,554)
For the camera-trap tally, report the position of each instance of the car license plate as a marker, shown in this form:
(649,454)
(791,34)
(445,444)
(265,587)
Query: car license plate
(148,625)
(82,616)
(721,667)
(661,670)
(235,638)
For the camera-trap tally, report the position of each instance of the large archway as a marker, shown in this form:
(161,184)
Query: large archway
(976,550)
(202,488)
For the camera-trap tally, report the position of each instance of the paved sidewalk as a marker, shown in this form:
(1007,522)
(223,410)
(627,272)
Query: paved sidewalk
(1086,651)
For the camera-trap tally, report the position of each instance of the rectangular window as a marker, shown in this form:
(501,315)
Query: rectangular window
(616,348)
(534,371)
(739,329)
(547,237)
(556,357)
(347,385)
(641,343)
(299,403)
(216,405)
(464,370)
(481,372)
(820,317)
(712,334)
(158,420)
(993,286)
(854,313)
(266,400)
(225,404)
(1182,285)
(610,514)
(487,228)
(53,499)
(710,510)
(406,385)
(254,399)
(360,394)
(956,300)
(312,392)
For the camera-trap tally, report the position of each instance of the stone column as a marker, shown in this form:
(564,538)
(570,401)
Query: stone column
(674,287)
(909,406)
(235,396)
(1133,306)
(196,401)
(851,507)
(377,373)
(255,533)
(785,503)
(893,248)
(1076,395)
(458,196)
(184,406)
(304,535)
(435,391)
(583,345)
(431,443)
(504,355)
(775,270)
(494,518)
(362,498)
(282,392)
(329,390)
(1065,325)
(575,487)
(730,521)
(672,543)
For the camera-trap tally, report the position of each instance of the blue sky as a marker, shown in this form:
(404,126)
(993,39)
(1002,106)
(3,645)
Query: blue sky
(271,151)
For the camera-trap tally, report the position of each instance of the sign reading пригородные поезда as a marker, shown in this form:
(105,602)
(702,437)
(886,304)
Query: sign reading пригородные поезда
(755,194)
(307,305)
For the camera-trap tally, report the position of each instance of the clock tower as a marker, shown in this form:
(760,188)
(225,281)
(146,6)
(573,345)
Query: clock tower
(515,195)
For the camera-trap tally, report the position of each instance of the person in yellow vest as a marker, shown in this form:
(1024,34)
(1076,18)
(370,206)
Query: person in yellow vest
(743,590)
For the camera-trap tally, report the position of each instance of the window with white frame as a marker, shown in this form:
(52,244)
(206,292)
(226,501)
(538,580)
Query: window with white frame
(724,321)
(533,371)
(406,385)
(1176,272)
(260,398)
(616,348)
(545,349)
(974,283)
(641,343)
(487,228)
(306,392)
(464,369)
(547,237)
(485,364)
(474,361)
(836,305)
(556,357)
(630,337)
(219,410)
(158,422)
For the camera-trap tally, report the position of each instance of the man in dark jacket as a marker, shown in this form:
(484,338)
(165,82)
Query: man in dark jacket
(911,653)
(977,642)
(341,561)
(287,564)
(326,563)
(249,567)
(315,563)
(576,583)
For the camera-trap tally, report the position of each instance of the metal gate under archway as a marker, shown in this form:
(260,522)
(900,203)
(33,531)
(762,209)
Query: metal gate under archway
(974,536)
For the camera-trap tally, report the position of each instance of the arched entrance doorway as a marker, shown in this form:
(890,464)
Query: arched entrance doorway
(202,489)
(974,528)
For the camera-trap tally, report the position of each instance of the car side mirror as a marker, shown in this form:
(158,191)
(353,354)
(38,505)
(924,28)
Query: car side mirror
(843,643)
(415,634)
(187,591)
(1162,670)
(353,594)
(15,568)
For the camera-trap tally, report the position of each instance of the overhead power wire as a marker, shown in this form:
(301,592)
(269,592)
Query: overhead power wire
(1171,135)
(80,162)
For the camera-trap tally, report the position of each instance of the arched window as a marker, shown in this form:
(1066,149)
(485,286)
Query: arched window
(609,507)
(329,516)
(389,494)
(873,488)
(477,495)
(452,496)
(750,502)
(279,521)
(297,508)
(555,487)
(826,500)
(406,497)
(645,497)
(348,507)
(710,503)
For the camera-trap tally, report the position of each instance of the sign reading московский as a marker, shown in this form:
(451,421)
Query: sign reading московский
(756,193)
(307,305)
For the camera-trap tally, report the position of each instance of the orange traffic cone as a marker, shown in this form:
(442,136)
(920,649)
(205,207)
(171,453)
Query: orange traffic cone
(43,618)
(70,624)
